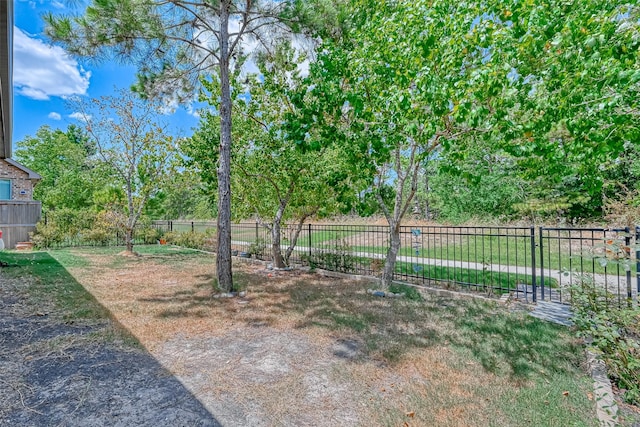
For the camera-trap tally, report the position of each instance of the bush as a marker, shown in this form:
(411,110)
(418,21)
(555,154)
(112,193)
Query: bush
(613,332)
(46,235)
(62,225)
(148,235)
(257,248)
(334,258)
(97,236)
(188,239)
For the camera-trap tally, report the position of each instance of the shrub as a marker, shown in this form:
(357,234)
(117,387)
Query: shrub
(62,225)
(148,235)
(98,236)
(188,239)
(46,235)
(257,248)
(613,332)
(335,258)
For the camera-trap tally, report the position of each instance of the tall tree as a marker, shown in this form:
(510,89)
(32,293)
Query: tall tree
(185,196)
(391,87)
(134,145)
(474,179)
(562,80)
(67,163)
(174,43)
(273,179)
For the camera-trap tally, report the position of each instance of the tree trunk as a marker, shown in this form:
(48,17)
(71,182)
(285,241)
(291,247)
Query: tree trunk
(276,252)
(427,207)
(392,254)
(128,239)
(294,239)
(223,255)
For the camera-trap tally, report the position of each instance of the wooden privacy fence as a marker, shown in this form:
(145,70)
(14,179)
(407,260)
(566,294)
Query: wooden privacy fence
(17,220)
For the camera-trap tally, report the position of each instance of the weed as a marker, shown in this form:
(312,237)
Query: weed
(409,292)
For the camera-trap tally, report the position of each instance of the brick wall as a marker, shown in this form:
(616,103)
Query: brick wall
(19,181)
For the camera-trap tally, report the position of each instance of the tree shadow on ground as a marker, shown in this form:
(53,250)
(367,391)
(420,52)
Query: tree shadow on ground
(383,329)
(514,343)
(75,366)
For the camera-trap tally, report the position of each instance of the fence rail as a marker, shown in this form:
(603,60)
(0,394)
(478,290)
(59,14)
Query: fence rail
(532,263)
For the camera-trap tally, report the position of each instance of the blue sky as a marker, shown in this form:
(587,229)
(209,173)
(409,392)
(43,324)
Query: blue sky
(44,75)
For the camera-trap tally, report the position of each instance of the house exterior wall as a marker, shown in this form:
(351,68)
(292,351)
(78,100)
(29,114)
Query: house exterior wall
(20,182)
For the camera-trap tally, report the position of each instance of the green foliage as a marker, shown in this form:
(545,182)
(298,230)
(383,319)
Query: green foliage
(184,196)
(62,225)
(614,332)
(46,235)
(68,227)
(70,171)
(562,82)
(475,181)
(334,257)
(191,239)
(148,235)
(257,248)
(272,177)
(368,204)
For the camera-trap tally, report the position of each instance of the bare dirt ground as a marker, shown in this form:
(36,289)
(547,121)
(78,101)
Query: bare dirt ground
(55,372)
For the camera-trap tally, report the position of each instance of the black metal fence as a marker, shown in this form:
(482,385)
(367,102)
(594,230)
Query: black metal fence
(532,263)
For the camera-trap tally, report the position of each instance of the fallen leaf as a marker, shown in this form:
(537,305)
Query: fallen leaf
(565,393)
(411,414)
(590,396)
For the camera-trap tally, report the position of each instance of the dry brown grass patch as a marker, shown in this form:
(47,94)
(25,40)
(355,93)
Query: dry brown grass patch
(299,349)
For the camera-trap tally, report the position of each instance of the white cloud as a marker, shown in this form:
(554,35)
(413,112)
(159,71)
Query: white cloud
(80,117)
(41,71)
(192,111)
(53,3)
(55,116)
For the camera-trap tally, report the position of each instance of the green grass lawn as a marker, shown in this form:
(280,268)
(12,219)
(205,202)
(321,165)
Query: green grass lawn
(501,282)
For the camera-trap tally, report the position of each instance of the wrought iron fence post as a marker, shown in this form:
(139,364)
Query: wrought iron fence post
(171,226)
(541,262)
(309,243)
(533,263)
(627,251)
(192,229)
(638,260)
(256,231)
